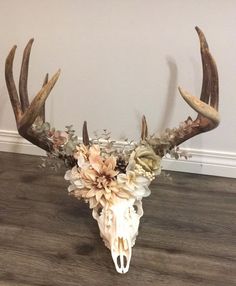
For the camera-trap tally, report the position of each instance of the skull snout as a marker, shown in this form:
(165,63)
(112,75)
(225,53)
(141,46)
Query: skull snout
(118,224)
(121,254)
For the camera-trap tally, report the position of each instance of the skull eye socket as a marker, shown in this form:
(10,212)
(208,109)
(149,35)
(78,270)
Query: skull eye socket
(138,208)
(135,208)
(97,212)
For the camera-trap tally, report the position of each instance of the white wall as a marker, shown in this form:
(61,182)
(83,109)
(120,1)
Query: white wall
(123,58)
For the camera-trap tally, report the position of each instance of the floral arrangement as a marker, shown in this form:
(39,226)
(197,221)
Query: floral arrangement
(100,176)
(102,171)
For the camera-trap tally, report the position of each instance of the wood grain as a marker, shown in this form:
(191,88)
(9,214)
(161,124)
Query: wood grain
(187,235)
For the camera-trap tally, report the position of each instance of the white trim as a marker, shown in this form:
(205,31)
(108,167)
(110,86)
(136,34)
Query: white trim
(11,141)
(217,163)
(206,162)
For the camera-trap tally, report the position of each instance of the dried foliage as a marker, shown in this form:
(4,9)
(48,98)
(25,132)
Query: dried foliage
(65,142)
(165,143)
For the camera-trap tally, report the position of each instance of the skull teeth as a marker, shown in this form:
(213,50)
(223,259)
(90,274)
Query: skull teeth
(125,244)
(121,244)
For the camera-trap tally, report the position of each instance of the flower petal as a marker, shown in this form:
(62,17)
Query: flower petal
(142,180)
(121,178)
(79,183)
(96,162)
(71,188)
(92,203)
(107,196)
(67,175)
(141,192)
(90,193)
(99,194)
(123,194)
(89,174)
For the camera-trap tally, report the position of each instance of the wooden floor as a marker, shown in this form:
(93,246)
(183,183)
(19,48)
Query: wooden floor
(187,235)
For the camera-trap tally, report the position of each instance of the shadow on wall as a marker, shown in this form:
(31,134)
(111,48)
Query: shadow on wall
(170,99)
(3,101)
(171,94)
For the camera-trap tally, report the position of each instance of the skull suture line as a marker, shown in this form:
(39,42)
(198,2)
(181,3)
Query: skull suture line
(112,181)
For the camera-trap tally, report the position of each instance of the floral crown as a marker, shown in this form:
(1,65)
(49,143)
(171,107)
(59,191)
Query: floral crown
(104,171)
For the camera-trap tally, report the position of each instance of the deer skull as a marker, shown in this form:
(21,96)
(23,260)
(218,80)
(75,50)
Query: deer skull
(111,181)
(116,198)
(118,224)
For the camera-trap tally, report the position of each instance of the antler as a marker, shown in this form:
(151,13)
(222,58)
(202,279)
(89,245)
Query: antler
(28,116)
(207,106)
(31,116)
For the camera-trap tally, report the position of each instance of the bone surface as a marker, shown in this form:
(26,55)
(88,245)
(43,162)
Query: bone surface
(118,224)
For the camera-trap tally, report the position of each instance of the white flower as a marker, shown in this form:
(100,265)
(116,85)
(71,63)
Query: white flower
(135,184)
(75,179)
(82,163)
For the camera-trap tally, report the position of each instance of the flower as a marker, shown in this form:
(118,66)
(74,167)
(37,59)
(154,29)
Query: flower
(135,184)
(59,138)
(75,179)
(144,156)
(81,150)
(95,179)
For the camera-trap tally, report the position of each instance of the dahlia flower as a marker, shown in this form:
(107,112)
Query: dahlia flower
(95,179)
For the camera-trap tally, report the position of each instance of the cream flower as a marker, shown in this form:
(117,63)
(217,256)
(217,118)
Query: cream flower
(135,184)
(144,156)
(95,180)
(81,150)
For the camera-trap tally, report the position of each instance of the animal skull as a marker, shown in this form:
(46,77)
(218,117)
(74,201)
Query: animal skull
(118,224)
(113,193)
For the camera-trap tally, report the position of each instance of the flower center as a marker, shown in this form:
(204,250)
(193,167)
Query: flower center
(103,181)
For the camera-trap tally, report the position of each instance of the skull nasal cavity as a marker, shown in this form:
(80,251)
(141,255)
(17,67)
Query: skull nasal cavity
(121,261)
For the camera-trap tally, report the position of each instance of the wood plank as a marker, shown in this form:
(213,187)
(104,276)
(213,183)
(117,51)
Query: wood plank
(187,234)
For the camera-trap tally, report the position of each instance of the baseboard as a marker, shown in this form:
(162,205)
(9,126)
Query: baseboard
(205,162)
(11,141)
(216,163)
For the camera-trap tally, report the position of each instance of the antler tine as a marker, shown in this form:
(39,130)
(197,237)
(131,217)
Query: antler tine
(206,84)
(45,81)
(144,130)
(11,87)
(206,113)
(39,100)
(24,76)
(42,112)
(28,114)
(210,87)
(215,86)
(85,135)
(207,106)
